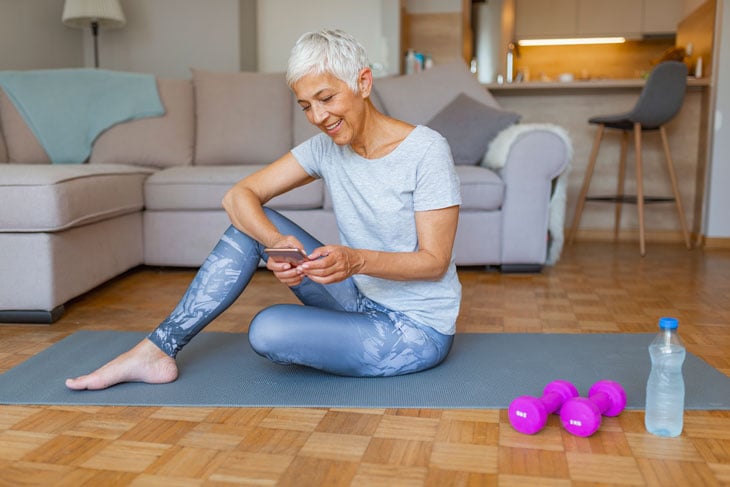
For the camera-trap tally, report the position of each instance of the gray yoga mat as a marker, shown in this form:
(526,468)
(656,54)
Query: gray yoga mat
(482,371)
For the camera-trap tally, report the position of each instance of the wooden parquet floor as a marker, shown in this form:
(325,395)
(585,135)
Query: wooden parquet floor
(597,287)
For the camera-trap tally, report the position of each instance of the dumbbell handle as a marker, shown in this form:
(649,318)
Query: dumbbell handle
(552,401)
(602,400)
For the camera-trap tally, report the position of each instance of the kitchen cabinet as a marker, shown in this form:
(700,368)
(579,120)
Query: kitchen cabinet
(602,18)
(661,16)
(581,18)
(545,18)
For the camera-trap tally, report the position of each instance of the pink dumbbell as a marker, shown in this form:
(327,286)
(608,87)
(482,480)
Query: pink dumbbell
(582,416)
(529,414)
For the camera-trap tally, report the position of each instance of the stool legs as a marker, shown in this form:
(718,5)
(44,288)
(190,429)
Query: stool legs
(675,188)
(586,183)
(620,184)
(639,187)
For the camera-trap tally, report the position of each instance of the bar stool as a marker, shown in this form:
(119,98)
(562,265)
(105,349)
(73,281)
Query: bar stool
(660,100)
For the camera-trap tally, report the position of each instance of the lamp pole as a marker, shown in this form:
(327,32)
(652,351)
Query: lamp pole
(95,34)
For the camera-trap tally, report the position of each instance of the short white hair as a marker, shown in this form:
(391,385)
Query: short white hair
(327,51)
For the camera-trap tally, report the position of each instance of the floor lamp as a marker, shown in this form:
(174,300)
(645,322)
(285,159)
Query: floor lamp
(93,13)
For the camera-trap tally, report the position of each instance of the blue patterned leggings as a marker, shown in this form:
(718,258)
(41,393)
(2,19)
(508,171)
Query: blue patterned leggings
(338,330)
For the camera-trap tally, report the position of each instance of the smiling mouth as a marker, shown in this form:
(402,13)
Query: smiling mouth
(334,126)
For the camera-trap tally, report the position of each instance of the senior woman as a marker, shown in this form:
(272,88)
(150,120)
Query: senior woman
(382,303)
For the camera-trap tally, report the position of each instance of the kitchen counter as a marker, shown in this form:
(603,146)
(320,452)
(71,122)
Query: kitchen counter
(594,84)
(571,104)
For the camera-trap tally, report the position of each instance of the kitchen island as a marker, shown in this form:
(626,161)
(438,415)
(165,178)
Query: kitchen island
(571,104)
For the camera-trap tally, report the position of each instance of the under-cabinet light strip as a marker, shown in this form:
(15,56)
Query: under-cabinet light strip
(571,41)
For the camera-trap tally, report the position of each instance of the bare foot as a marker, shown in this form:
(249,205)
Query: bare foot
(143,363)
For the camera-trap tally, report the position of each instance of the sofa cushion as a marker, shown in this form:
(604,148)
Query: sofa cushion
(242,118)
(203,188)
(43,198)
(22,145)
(418,97)
(481,188)
(469,126)
(159,141)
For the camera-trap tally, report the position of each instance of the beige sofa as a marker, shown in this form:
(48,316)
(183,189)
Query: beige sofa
(151,191)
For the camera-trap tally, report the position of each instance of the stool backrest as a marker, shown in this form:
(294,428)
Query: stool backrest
(662,96)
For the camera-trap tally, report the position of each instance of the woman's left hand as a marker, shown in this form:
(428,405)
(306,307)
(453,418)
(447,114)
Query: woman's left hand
(331,263)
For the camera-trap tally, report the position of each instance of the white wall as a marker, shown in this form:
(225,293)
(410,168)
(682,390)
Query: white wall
(717,216)
(32,36)
(167,37)
(433,6)
(282,22)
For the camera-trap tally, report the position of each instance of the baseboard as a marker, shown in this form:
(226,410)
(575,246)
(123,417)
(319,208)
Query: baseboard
(716,243)
(630,236)
(33,316)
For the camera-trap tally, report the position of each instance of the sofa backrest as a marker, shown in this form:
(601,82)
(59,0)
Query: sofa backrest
(160,142)
(419,97)
(241,117)
(20,142)
(155,141)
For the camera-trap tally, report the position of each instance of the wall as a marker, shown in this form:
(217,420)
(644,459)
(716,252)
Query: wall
(282,22)
(168,37)
(717,217)
(32,36)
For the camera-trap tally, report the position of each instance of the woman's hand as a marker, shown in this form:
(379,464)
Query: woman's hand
(286,272)
(331,263)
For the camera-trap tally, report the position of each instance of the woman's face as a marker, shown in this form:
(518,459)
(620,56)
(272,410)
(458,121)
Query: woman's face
(331,106)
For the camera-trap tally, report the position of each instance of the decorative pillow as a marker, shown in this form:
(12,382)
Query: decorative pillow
(469,126)
(241,117)
(22,145)
(159,141)
(417,98)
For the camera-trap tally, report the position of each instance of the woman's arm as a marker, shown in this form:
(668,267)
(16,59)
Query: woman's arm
(436,232)
(244,201)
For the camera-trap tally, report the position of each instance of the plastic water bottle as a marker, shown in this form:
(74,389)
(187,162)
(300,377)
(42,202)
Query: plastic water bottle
(665,387)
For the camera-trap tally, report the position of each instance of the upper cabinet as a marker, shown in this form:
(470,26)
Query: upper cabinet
(661,16)
(571,18)
(614,18)
(545,18)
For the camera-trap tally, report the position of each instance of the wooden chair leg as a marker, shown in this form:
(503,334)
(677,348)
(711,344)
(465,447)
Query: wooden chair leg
(586,183)
(620,185)
(675,187)
(639,187)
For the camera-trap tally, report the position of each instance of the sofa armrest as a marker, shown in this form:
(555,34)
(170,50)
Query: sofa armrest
(533,158)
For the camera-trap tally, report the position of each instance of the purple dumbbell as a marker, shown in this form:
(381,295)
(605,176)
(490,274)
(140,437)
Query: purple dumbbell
(529,414)
(582,416)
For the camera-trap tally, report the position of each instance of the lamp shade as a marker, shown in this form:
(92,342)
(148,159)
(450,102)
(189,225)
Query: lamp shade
(81,13)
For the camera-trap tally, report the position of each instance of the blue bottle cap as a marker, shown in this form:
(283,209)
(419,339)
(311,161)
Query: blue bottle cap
(667,323)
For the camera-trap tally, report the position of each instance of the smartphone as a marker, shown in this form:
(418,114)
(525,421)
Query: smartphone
(291,255)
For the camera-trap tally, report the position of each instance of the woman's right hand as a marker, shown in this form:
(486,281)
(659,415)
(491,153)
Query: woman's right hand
(286,272)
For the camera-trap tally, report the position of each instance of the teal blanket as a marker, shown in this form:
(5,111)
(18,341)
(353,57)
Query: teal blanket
(67,109)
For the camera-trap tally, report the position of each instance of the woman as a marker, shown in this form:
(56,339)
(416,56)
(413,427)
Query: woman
(382,303)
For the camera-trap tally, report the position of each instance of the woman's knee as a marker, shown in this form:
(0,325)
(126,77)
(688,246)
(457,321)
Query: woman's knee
(267,331)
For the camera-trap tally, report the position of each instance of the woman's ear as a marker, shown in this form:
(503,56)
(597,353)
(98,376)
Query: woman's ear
(365,82)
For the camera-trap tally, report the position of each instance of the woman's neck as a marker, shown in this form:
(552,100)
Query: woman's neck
(380,134)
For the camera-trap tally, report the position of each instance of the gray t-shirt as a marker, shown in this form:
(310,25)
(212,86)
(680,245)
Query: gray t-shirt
(375,201)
